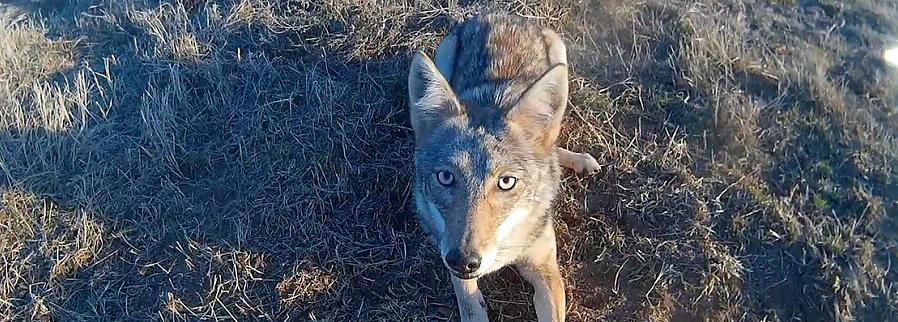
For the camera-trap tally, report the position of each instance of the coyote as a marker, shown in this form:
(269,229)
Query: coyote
(486,115)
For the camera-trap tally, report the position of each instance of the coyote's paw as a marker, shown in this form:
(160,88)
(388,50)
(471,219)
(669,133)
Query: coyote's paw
(581,163)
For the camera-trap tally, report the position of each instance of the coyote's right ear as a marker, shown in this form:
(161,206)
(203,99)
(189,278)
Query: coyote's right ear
(431,100)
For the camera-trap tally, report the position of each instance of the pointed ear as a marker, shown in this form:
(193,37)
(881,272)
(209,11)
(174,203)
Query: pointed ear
(540,109)
(444,57)
(431,100)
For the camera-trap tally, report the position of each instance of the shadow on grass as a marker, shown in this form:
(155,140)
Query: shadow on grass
(252,160)
(238,169)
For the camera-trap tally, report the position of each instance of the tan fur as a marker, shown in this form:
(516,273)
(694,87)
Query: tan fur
(542,272)
(579,162)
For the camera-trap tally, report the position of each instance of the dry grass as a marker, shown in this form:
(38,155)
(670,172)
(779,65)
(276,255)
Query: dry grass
(248,160)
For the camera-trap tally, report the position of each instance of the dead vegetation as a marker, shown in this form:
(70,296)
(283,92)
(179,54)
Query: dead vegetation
(248,160)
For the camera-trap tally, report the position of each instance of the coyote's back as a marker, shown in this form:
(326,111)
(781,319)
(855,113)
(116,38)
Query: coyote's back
(497,49)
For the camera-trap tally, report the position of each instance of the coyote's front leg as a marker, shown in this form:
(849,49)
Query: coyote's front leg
(541,270)
(471,306)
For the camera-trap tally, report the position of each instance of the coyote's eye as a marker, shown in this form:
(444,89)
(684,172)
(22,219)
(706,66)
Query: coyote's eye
(506,183)
(445,177)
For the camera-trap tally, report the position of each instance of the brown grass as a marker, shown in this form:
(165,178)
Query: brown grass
(248,160)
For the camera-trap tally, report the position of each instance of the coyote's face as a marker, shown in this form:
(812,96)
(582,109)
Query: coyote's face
(485,175)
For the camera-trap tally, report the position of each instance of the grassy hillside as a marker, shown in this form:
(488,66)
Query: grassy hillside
(250,160)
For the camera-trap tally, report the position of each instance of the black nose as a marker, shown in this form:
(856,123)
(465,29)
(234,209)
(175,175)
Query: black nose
(465,263)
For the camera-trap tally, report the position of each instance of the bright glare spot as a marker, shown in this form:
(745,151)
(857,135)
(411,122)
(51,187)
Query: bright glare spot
(891,56)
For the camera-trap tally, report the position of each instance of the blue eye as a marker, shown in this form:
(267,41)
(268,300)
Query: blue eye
(445,177)
(506,183)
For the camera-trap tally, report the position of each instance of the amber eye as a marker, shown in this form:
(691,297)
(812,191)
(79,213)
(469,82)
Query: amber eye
(506,183)
(445,177)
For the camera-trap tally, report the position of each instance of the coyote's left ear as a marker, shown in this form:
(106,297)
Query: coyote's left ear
(541,108)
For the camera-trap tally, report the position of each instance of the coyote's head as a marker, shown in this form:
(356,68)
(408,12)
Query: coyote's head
(485,163)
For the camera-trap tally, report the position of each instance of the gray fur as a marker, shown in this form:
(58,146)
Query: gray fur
(499,116)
